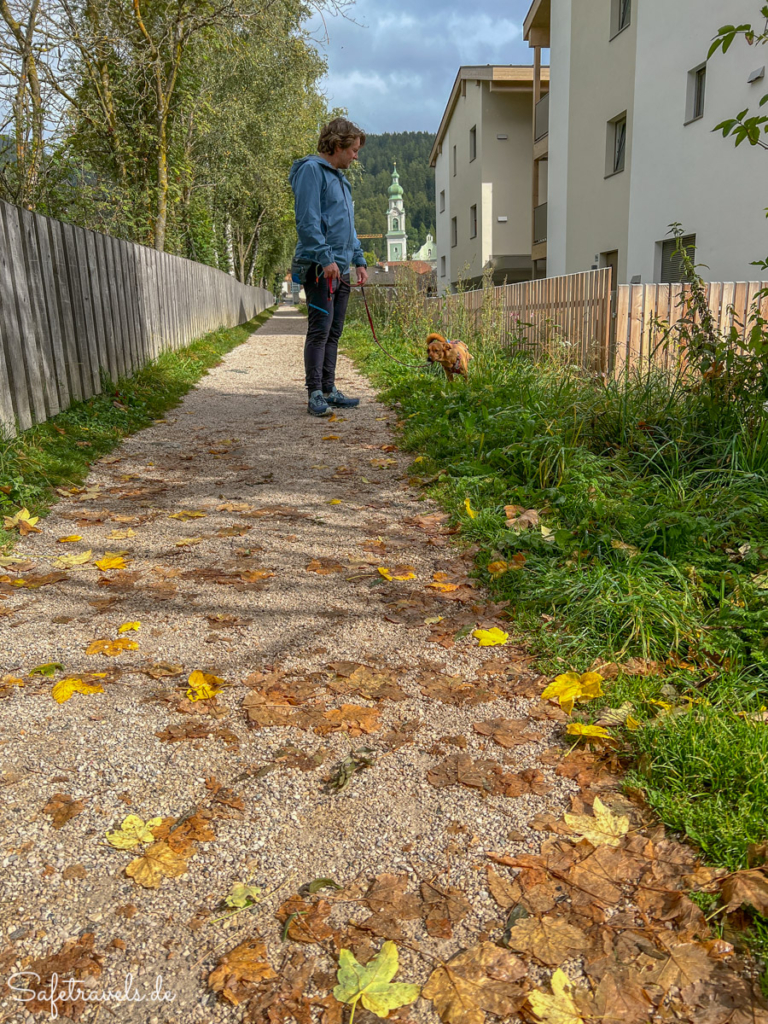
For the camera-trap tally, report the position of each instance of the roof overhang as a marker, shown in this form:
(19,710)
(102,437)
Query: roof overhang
(537,23)
(502,78)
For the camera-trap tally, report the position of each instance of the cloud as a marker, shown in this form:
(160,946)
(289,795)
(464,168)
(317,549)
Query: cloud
(392,66)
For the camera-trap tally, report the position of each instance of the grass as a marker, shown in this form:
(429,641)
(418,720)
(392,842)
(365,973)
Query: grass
(59,452)
(654,504)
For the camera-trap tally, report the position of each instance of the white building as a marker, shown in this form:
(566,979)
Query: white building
(396,236)
(633,102)
(428,251)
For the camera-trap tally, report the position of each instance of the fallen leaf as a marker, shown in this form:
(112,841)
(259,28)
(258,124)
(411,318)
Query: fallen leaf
(352,718)
(49,669)
(188,542)
(519,519)
(23,522)
(163,669)
(442,908)
(133,832)
(187,514)
(121,534)
(75,960)
(326,566)
(331,437)
(498,568)
(551,940)
(305,921)
(560,1007)
(242,895)
(478,981)
(128,626)
(571,687)
(111,648)
(372,984)
(470,511)
(69,540)
(604,828)
(110,562)
(508,732)
(65,688)
(203,686)
(159,861)
(401,573)
(746,888)
(591,734)
(490,637)
(62,808)
(239,971)
(67,561)
(685,964)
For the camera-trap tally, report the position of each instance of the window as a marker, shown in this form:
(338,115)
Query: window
(616,148)
(454,231)
(621,14)
(454,161)
(672,269)
(697,85)
(442,266)
(394,224)
(442,201)
(472,143)
(473,222)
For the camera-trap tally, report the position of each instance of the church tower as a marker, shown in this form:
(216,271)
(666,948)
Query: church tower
(396,236)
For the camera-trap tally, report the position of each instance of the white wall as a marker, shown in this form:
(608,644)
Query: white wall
(687,173)
(443,220)
(559,114)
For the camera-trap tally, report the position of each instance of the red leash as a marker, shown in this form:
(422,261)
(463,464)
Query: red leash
(410,366)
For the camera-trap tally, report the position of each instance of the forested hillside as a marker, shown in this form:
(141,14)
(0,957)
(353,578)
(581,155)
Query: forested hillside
(370,183)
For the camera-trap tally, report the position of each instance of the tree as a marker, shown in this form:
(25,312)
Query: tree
(745,126)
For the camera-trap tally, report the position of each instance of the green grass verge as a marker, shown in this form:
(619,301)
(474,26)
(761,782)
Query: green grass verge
(59,452)
(654,505)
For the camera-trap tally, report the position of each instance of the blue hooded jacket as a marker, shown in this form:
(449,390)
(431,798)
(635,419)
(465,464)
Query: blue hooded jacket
(325,216)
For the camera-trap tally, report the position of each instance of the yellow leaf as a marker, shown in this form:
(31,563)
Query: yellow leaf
(65,688)
(498,568)
(387,574)
(69,540)
(595,734)
(490,637)
(571,687)
(335,501)
(188,542)
(203,685)
(444,588)
(111,648)
(159,861)
(121,534)
(560,1007)
(67,561)
(632,723)
(133,832)
(419,458)
(604,829)
(186,514)
(470,511)
(331,437)
(110,561)
(22,521)
(128,626)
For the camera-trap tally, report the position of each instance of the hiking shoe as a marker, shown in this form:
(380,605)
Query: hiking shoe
(335,397)
(317,405)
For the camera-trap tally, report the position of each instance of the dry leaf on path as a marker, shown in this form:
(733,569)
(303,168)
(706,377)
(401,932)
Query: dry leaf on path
(110,561)
(356,719)
(203,685)
(507,732)
(560,1007)
(528,781)
(505,892)
(685,964)
(387,896)
(70,561)
(593,735)
(134,831)
(62,808)
(76,959)
(111,648)
(442,908)
(746,888)
(305,921)
(187,514)
(239,971)
(603,828)
(158,862)
(326,566)
(73,538)
(551,940)
(477,981)
(23,522)
(494,637)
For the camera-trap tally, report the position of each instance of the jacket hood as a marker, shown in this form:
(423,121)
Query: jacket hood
(316,158)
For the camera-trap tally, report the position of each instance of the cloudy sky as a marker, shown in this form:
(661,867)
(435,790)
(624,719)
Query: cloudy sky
(393,65)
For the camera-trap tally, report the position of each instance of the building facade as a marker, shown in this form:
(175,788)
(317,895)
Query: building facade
(396,237)
(482,159)
(629,144)
(428,252)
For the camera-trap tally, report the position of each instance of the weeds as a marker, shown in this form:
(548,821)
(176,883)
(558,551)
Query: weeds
(60,451)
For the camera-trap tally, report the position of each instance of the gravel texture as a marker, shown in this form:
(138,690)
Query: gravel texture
(241,436)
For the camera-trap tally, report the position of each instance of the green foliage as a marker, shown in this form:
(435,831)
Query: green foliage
(59,452)
(411,151)
(744,127)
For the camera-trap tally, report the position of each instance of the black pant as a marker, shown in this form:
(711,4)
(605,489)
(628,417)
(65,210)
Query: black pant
(326,312)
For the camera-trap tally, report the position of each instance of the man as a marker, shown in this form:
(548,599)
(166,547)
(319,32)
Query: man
(327,248)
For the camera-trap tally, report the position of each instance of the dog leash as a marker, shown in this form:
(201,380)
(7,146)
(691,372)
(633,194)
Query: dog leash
(409,366)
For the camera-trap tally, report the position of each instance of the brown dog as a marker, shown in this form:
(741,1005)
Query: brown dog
(453,356)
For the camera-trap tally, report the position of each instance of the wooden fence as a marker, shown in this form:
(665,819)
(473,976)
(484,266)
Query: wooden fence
(578,319)
(75,305)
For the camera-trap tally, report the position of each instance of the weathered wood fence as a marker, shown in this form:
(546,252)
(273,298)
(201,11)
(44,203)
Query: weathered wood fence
(75,305)
(578,319)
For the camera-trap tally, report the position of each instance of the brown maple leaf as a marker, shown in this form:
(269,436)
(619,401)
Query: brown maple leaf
(551,940)
(352,718)
(507,732)
(483,979)
(442,908)
(305,921)
(62,808)
(239,971)
(76,959)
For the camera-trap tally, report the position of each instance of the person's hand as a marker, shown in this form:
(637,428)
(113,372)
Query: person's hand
(362,276)
(331,272)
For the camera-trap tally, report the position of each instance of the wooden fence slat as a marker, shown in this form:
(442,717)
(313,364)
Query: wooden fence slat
(28,376)
(113,364)
(90,342)
(78,310)
(42,352)
(54,312)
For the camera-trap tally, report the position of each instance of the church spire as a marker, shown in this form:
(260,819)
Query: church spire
(396,236)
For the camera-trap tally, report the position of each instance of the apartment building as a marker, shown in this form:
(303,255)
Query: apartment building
(629,146)
(482,158)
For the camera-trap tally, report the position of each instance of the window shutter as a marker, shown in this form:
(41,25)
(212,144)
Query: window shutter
(671,265)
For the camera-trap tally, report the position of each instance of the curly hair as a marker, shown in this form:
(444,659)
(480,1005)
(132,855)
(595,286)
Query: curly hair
(339,134)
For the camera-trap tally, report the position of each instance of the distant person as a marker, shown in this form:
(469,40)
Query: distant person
(327,247)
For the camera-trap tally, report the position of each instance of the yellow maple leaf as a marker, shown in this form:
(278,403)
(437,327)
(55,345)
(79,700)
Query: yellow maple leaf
(444,588)
(387,574)
(128,626)
(67,561)
(498,568)
(69,540)
(203,685)
(65,688)
(470,511)
(23,522)
(560,1007)
(335,501)
(110,561)
(188,514)
(133,832)
(490,637)
(188,542)
(591,734)
(571,687)
(331,437)
(111,648)
(602,829)
(159,861)
(121,534)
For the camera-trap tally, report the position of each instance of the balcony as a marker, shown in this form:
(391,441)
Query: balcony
(542,118)
(540,224)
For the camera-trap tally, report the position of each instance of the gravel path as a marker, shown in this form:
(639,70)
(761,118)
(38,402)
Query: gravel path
(236,593)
